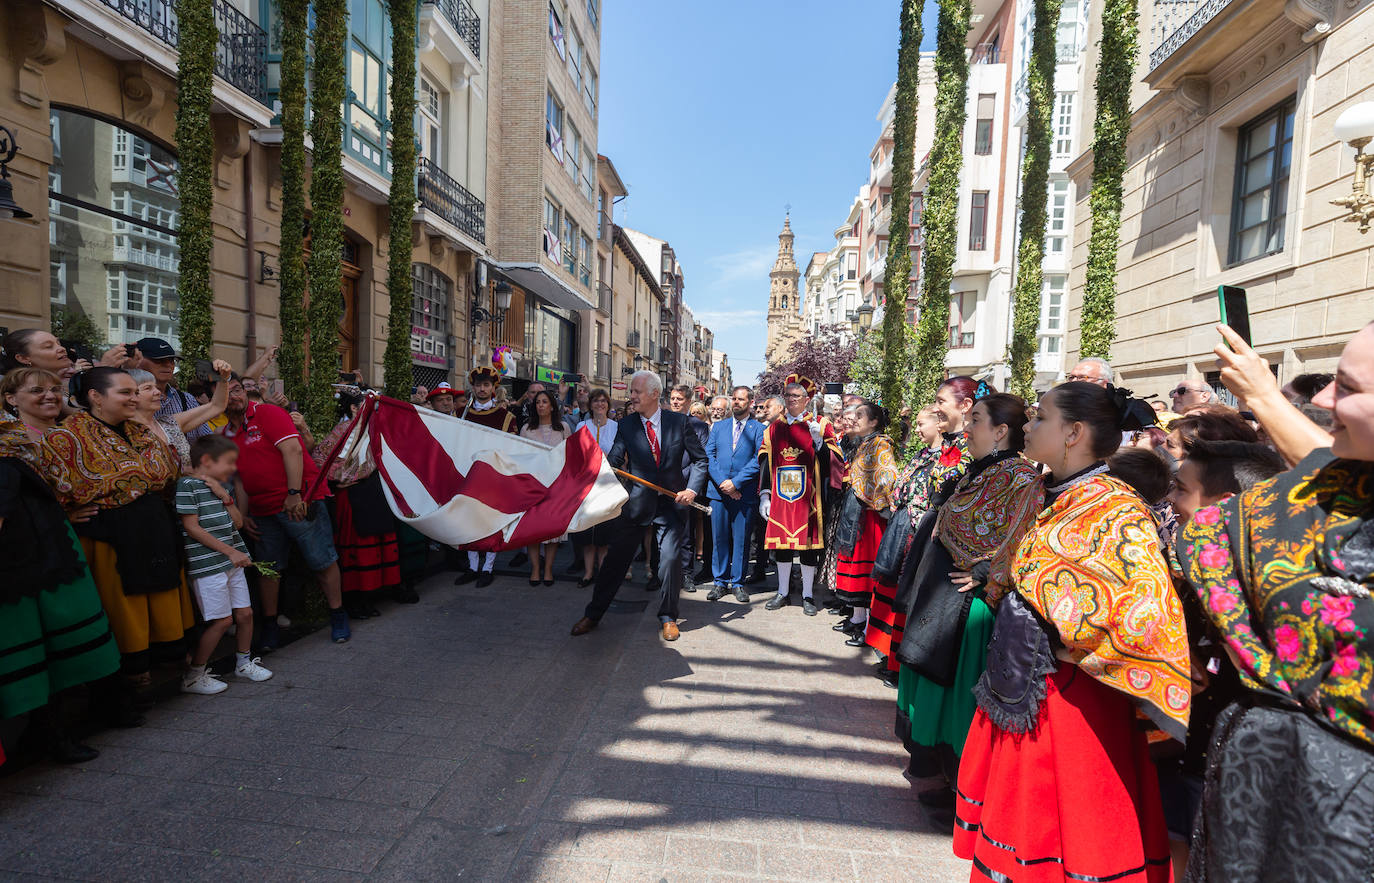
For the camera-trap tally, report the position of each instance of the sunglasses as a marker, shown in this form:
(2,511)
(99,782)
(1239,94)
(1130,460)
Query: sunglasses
(1178,391)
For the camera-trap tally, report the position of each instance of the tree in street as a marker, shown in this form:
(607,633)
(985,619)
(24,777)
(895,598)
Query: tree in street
(825,357)
(292,283)
(196,41)
(396,361)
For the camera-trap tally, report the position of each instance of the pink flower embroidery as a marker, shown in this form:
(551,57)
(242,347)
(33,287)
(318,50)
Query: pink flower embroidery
(1247,659)
(1214,557)
(1335,609)
(1220,601)
(1345,663)
(1288,642)
(1210,515)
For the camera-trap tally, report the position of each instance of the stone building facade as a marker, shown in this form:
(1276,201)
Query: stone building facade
(784,300)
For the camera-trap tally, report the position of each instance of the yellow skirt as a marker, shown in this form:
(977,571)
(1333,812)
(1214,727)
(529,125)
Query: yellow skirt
(137,620)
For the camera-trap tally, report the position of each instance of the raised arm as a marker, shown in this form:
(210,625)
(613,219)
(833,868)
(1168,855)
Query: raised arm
(186,420)
(1247,376)
(268,356)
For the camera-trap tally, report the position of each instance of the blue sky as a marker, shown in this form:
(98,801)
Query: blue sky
(718,114)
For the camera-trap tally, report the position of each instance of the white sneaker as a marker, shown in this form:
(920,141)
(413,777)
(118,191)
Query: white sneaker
(252,670)
(282,621)
(203,683)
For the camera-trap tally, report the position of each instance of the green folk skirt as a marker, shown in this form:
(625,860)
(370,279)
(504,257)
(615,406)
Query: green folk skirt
(936,715)
(55,640)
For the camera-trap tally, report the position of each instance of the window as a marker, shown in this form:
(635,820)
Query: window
(852,266)
(1063,125)
(429,311)
(572,150)
(1052,315)
(918,209)
(584,268)
(1056,238)
(1066,42)
(589,87)
(961,306)
(569,244)
(369,79)
(431,122)
(553,223)
(602,198)
(594,13)
(553,130)
(135,244)
(1259,205)
(982,132)
(588,172)
(575,60)
(978,221)
(556,31)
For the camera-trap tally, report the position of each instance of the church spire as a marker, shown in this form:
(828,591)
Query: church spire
(784,298)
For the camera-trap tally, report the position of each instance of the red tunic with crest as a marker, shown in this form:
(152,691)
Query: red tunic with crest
(794,470)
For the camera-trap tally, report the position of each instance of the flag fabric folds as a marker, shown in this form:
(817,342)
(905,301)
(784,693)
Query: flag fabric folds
(464,484)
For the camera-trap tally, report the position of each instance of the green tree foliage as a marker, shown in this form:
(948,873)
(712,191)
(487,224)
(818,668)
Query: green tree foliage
(1035,169)
(291,308)
(326,204)
(897,274)
(866,371)
(1115,71)
(73,326)
(941,217)
(196,40)
(396,362)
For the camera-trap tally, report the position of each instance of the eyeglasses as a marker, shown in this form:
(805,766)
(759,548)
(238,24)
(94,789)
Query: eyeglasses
(39,390)
(796,395)
(1181,390)
(1080,377)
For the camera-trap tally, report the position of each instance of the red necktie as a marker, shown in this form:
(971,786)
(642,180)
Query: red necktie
(653,440)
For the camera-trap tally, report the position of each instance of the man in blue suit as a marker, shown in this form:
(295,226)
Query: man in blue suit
(732,457)
(651,443)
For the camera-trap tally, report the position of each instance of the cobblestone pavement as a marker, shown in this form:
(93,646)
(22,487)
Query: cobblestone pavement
(470,738)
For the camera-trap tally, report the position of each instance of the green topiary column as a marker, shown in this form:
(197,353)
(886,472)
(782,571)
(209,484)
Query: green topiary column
(326,210)
(1115,72)
(1035,170)
(897,273)
(196,40)
(942,195)
(396,362)
(291,358)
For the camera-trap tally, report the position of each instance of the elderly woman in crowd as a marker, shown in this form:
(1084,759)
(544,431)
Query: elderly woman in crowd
(170,429)
(34,396)
(1284,571)
(104,457)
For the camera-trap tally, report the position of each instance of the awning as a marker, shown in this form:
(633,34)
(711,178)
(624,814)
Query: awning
(537,280)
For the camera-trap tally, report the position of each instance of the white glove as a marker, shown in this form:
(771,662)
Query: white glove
(817,433)
(764,499)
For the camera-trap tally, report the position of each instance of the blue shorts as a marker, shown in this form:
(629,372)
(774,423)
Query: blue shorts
(314,537)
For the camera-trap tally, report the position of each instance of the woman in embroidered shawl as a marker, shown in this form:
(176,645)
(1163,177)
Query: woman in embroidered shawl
(872,477)
(967,554)
(1285,570)
(105,458)
(1056,781)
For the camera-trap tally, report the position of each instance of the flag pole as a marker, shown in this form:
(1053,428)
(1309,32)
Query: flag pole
(662,490)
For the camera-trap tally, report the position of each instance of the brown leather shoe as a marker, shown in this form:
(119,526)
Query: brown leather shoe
(670,632)
(583,625)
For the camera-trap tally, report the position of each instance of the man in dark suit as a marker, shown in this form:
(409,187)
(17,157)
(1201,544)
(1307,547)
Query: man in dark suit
(650,443)
(732,457)
(679,400)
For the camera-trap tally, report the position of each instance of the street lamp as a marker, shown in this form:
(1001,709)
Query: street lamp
(853,319)
(8,207)
(1355,126)
(865,316)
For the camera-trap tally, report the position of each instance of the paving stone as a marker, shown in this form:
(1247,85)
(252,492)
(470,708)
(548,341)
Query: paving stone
(708,853)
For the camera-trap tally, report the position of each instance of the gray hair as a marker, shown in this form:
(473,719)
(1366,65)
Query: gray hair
(1102,364)
(140,376)
(652,382)
(725,399)
(777,400)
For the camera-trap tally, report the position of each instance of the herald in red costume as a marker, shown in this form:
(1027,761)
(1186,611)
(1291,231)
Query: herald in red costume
(798,454)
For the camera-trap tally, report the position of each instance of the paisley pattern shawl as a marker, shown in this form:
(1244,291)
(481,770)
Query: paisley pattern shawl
(986,516)
(912,491)
(16,442)
(1091,566)
(873,472)
(88,462)
(1283,572)
(345,470)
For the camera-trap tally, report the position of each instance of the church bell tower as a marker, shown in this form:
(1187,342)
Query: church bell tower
(784,299)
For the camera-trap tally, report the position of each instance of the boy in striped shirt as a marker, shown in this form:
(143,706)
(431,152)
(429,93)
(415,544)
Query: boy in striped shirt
(215,559)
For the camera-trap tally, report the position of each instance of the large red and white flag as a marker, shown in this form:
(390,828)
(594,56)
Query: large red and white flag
(465,484)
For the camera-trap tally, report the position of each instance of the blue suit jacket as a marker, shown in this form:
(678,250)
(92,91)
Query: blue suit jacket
(740,465)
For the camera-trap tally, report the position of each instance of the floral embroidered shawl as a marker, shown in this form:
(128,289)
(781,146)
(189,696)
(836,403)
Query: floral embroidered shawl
(1092,567)
(88,462)
(873,472)
(912,489)
(1285,571)
(986,516)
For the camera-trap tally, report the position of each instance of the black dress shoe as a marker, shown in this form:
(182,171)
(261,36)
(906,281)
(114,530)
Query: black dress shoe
(857,640)
(757,576)
(741,595)
(841,626)
(715,593)
(405,594)
(485,579)
(889,679)
(67,751)
(534,582)
(809,607)
(470,576)
(548,582)
(584,582)
(841,611)
(777,602)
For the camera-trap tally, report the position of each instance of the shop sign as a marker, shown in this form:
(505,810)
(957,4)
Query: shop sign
(427,348)
(545,374)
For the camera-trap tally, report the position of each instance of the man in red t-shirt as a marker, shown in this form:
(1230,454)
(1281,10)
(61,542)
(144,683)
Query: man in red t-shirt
(275,473)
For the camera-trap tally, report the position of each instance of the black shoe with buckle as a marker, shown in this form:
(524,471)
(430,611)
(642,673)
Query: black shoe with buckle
(716,593)
(485,579)
(809,607)
(776,602)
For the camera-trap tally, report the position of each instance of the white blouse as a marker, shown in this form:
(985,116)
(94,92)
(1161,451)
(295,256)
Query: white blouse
(604,435)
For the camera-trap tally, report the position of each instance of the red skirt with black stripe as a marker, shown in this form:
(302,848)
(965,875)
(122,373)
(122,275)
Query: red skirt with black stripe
(366,563)
(1075,799)
(854,572)
(885,625)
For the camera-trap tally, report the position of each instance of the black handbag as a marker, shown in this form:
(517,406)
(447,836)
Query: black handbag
(887,563)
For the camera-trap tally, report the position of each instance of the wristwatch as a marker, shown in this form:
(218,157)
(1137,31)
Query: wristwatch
(293,492)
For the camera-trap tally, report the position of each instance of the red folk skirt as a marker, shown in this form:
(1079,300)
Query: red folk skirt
(1078,796)
(885,625)
(366,563)
(854,572)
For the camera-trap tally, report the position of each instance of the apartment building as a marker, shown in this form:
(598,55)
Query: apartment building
(1233,164)
(833,289)
(602,321)
(637,305)
(663,343)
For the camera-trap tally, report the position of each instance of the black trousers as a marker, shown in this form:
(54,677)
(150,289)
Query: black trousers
(669,529)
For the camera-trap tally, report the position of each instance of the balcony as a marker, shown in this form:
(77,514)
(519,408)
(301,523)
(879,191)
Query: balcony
(986,53)
(602,371)
(448,199)
(603,298)
(240,55)
(1194,36)
(665,318)
(464,19)
(632,340)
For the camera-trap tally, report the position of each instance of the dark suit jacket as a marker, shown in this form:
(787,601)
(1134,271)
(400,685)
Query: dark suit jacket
(631,452)
(740,465)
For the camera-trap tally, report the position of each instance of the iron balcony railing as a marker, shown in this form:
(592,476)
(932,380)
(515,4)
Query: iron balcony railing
(986,53)
(603,366)
(603,298)
(465,21)
(1175,21)
(632,340)
(451,201)
(240,55)
(665,317)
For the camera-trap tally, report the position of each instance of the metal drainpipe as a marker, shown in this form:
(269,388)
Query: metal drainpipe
(250,336)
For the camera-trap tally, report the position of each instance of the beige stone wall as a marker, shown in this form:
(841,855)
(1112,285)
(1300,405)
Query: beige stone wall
(1306,300)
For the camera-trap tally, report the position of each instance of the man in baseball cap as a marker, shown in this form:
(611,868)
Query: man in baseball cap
(157,357)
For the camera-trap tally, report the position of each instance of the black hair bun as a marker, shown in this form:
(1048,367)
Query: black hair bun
(1133,414)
